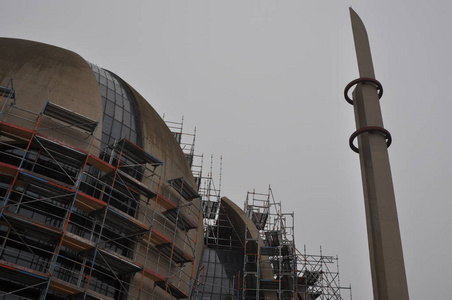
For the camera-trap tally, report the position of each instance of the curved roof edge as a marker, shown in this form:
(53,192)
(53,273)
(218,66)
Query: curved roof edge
(243,223)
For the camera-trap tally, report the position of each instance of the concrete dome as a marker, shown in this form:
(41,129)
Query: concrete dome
(115,212)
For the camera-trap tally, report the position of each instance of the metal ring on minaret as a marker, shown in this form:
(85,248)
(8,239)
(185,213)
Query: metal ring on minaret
(363,80)
(380,130)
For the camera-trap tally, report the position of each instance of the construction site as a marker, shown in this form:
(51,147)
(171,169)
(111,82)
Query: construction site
(90,213)
(251,253)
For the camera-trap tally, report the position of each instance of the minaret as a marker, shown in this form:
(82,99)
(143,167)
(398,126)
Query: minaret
(385,246)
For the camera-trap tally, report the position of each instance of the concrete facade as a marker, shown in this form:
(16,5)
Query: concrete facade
(96,246)
(385,246)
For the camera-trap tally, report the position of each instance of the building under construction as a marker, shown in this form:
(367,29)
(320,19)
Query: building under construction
(100,199)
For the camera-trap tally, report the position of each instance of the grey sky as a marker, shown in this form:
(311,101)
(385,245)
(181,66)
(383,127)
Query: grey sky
(263,81)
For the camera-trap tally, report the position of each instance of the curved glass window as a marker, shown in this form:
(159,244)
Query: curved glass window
(120,113)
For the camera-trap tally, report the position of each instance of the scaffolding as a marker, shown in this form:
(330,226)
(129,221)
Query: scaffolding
(318,277)
(262,262)
(82,222)
(273,268)
(186,141)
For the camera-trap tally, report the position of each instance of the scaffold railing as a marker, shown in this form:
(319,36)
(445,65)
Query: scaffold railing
(77,214)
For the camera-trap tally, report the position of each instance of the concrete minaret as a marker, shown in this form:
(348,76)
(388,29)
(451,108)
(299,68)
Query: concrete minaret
(385,246)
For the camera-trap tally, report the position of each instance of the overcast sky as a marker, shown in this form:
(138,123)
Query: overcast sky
(263,81)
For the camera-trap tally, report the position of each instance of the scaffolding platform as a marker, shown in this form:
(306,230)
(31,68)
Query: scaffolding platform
(128,223)
(136,153)
(171,289)
(51,184)
(154,276)
(164,202)
(135,185)
(67,116)
(23,224)
(178,255)
(8,169)
(157,238)
(183,222)
(61,151)
(15,132)
(64,288)
(100,164)
(21,274)
(114,261)
(77,243)
(88,203)
(184,188)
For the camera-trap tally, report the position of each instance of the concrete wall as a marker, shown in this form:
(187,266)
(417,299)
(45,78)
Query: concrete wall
(42,72)
(241,221)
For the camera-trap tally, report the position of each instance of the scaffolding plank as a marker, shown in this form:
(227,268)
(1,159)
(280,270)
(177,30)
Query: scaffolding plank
(69,117)
(136,185)
(125,221)
(63,287)
(154,276)
(30,226)
(88,203)
(45,181)
(164,202)
(21,274)
(182,186)
(172,289)
(16,130)
(77,243)
(136,153)
(120,264)
(71,155)
(100,164)
(157,238)
(183,222)
(178,255)
(8,169)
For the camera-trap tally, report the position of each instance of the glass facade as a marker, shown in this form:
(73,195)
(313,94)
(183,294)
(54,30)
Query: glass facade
(120,112)
(221,271)
(37,206)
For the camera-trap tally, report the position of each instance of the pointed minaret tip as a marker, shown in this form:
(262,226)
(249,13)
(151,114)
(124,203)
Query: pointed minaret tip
(353,13)
(362,47)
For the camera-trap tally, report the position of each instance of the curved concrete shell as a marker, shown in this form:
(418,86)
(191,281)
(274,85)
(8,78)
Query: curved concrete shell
(82,218)
(223,261)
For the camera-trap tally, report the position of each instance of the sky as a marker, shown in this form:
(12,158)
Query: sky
(262,82)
